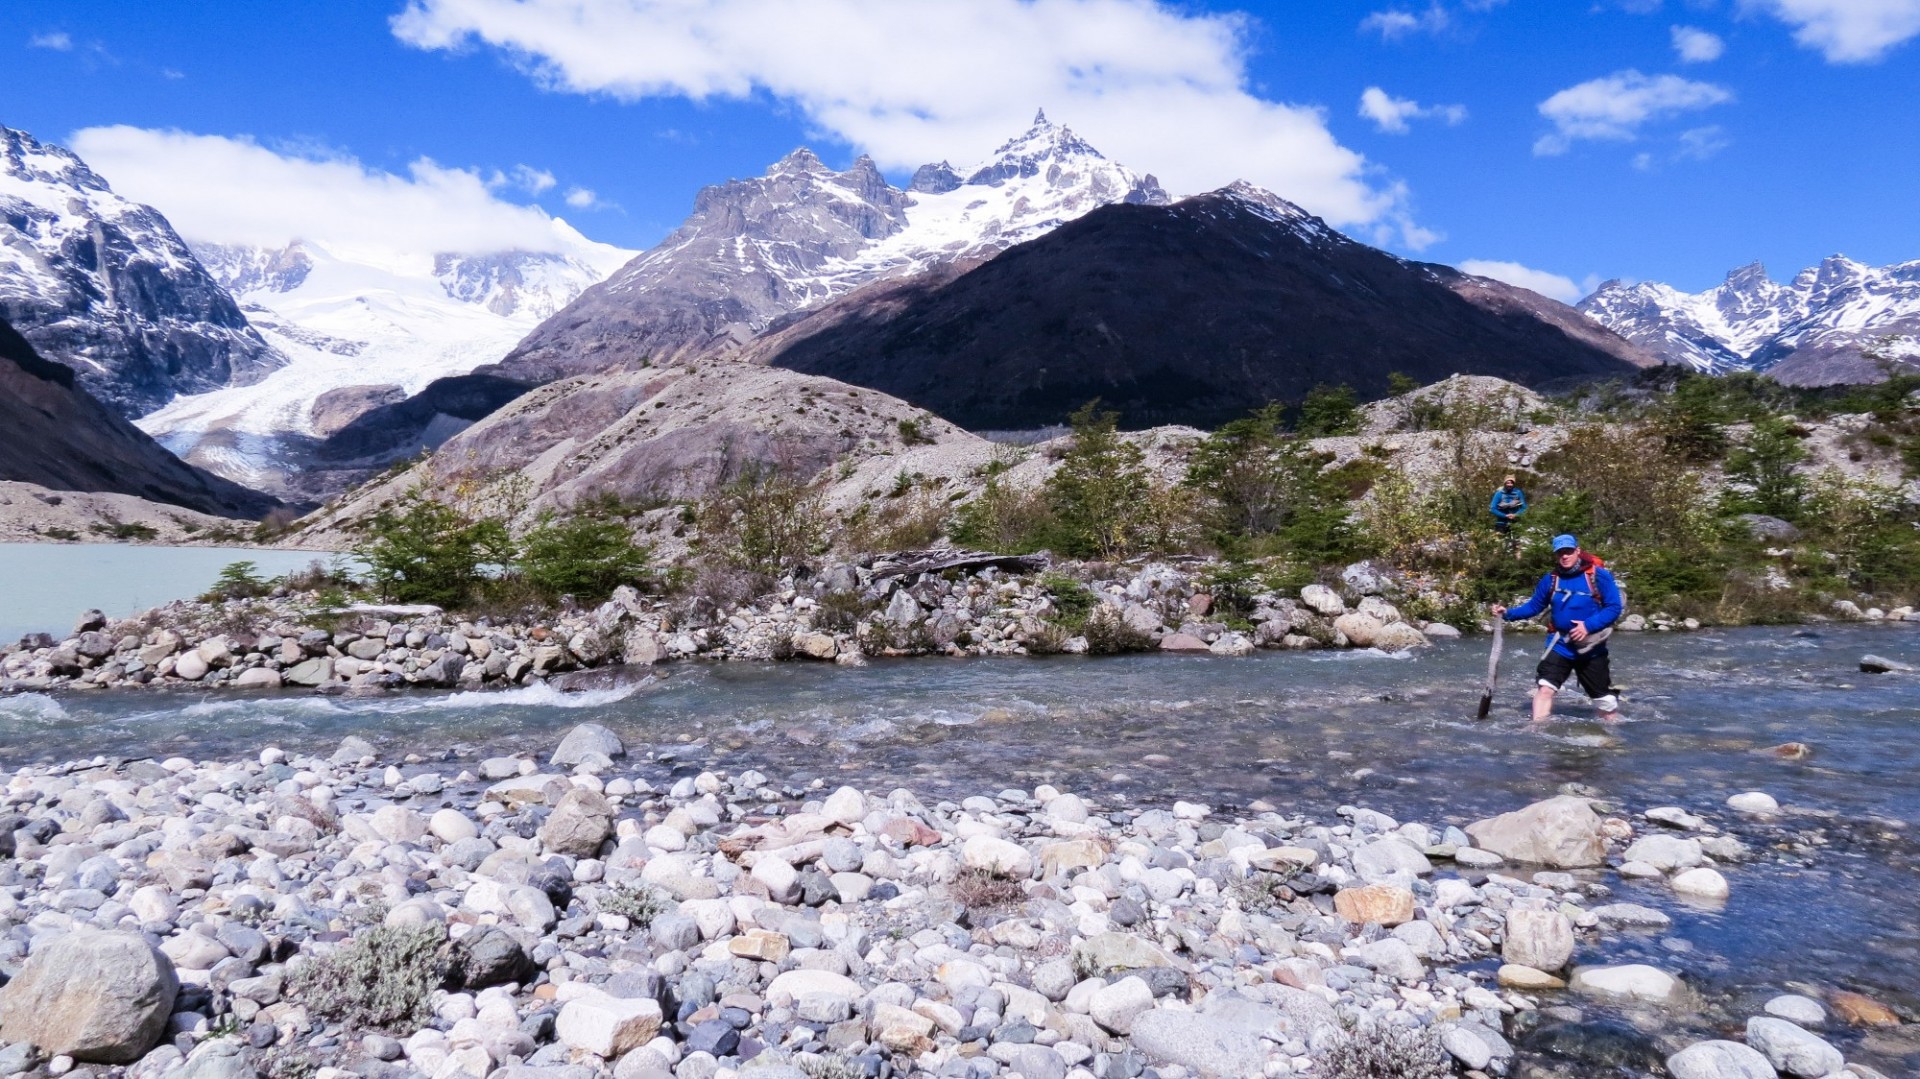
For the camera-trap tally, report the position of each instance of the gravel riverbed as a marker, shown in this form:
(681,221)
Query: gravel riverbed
(582,911)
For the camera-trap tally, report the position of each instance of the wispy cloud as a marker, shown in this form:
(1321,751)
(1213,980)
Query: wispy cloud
(1697,46)
(234,190)
(1701,143)
(1154,85)
(1846,31)
(58,41)
(1391,114)
(1396,23)
(1616,106)
(1552,285)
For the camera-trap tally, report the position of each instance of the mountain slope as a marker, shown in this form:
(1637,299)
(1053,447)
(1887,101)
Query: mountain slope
(1192,313)
(1812,331)
(756,249)
(359,333)
(104,285)
(53,434)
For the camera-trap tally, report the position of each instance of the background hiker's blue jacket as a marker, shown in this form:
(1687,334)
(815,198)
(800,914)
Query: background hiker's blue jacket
(1566,593)
(1516,500)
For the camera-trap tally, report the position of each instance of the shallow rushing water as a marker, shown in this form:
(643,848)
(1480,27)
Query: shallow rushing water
(1305,731)
(45,586)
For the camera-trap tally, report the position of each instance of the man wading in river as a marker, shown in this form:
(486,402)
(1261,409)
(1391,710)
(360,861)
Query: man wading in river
(1583,602)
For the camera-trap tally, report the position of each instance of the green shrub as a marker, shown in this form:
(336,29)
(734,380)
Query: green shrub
(1070,598)
(1328,411)
(1109,634)
(584,557)
(1760,473)
(1388,1051)
(914,433)
(766,522)
(1098,491)
(237,580)
(638,904)
(381,979)
(1004,519)
(431,553)
(842,612)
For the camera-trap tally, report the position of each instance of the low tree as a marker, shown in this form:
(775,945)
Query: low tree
(1098,491)
(431,553)
(1328,411)
(584,556)
(1761,474)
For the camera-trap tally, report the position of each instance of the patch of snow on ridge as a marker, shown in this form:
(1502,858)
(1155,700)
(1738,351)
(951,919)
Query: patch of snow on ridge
(1032,184)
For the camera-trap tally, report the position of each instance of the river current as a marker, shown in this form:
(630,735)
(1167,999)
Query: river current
(1825,903)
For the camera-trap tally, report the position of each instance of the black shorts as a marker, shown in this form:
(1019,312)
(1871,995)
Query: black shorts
(1592,669)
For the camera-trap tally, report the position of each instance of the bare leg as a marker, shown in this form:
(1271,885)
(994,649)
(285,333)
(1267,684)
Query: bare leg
(1542,703)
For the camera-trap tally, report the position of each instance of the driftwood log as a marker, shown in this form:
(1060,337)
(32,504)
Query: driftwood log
(910,562)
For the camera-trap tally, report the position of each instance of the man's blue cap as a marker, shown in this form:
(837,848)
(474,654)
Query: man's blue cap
(1564,542)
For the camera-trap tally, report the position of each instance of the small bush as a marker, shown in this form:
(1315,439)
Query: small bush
(379,980)
(980,889)
(842,612)
(237,581)
(914,433)
(1049,640)
(584,557)
(1109,634)
(431,553)
(1387,1052)
(637,904)
(1070,598)
(124,531)
(1327,411)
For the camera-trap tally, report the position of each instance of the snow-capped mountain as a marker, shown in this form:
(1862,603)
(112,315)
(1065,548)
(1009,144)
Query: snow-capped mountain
(104,285)
(358,334)
(1814,330)
(757,249)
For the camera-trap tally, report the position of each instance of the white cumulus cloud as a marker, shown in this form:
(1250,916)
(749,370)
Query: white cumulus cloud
(1617,105)
(58,41)
(1390,114)
(1157,87)
(1697,46)
(1846,31)
(234,190)
(1551,285)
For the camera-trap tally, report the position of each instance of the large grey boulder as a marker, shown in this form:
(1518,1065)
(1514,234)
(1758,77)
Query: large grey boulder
(1562,832)
(1225,1044)
(100,997)
(579,824)
(585,739)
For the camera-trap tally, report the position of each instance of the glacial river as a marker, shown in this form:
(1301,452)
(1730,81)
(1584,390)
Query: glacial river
(1827,902)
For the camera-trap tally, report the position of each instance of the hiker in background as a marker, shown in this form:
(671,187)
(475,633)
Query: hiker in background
(1583,602)
(1508,503)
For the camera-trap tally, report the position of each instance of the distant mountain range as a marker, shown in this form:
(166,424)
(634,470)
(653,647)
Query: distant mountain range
(999,295)
(105,286)
(1815,330)
(802,234)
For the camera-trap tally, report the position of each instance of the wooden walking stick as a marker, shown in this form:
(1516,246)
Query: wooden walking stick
(1493,668)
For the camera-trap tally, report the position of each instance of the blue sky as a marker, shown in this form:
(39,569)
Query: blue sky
(1634,138)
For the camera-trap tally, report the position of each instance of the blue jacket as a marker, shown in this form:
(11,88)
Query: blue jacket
(1516,499)
(1570,600)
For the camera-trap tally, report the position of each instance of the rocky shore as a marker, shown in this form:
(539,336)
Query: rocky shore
(983,606)
(564,917)
(846,614)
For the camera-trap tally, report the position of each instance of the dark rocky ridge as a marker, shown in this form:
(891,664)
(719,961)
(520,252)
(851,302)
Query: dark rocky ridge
(54,434)
(105,285)
(1192,313)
